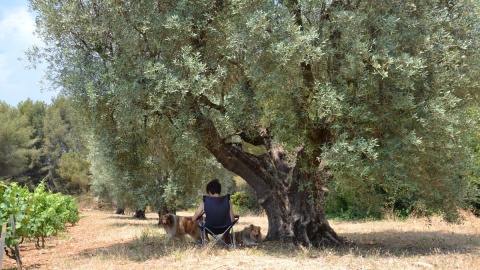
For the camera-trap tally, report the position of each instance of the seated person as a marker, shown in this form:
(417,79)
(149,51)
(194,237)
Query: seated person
(219,212)
(213,189)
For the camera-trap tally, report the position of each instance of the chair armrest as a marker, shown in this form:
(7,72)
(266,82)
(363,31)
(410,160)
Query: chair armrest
(200,216)
(237,217)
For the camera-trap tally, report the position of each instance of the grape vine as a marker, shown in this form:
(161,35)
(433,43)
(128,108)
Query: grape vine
(38,214)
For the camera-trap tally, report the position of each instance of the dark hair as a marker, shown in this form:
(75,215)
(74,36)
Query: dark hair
(214,187)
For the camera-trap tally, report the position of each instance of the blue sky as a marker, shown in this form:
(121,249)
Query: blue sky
(17,83)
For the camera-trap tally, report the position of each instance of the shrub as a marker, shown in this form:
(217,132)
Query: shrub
(243,202)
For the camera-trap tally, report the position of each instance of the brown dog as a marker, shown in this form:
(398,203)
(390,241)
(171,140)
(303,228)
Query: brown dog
(249,236)
(177,227)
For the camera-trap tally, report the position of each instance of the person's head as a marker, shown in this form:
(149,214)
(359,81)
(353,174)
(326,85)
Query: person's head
(214,187)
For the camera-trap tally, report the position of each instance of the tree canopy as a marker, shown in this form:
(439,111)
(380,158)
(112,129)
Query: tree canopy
(363,98)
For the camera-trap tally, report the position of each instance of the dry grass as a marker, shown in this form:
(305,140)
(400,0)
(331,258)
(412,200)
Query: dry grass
(103,240)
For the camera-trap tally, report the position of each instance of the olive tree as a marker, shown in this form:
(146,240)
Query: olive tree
(365,97)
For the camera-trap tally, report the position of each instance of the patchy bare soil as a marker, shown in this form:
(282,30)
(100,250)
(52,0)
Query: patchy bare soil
(104,240)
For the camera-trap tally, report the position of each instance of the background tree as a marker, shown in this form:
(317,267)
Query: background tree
(43,141)
(365,97)
(34,111)
(64,148)
(17,139)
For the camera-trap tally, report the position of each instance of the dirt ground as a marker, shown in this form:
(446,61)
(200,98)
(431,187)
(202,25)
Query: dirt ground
(104,240)
(100,234)
(79,241)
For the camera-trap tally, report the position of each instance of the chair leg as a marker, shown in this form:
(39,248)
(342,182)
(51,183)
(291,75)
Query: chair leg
(227,238)
(203,237)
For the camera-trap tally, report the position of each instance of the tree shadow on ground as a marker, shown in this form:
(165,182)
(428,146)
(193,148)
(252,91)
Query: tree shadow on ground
(130,220)
(391,242)
(387,243)
(129,217)
(141,249)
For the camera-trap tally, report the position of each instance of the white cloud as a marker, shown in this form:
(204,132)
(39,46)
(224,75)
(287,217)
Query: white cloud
(17,83)
(18,24)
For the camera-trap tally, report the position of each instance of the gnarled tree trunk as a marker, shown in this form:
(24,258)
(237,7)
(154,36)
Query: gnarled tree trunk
(292,197)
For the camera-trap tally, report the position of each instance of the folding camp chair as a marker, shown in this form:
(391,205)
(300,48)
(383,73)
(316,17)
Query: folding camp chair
(217,221)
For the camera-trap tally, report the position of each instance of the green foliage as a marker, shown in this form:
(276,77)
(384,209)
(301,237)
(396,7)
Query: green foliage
(242,202)
(65,147)
(35,137)
(243,197)
(16,142)
(37,214)
(75,170)
(474,199)
(389,82)
(402,131)
(473,196)
(35,113)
